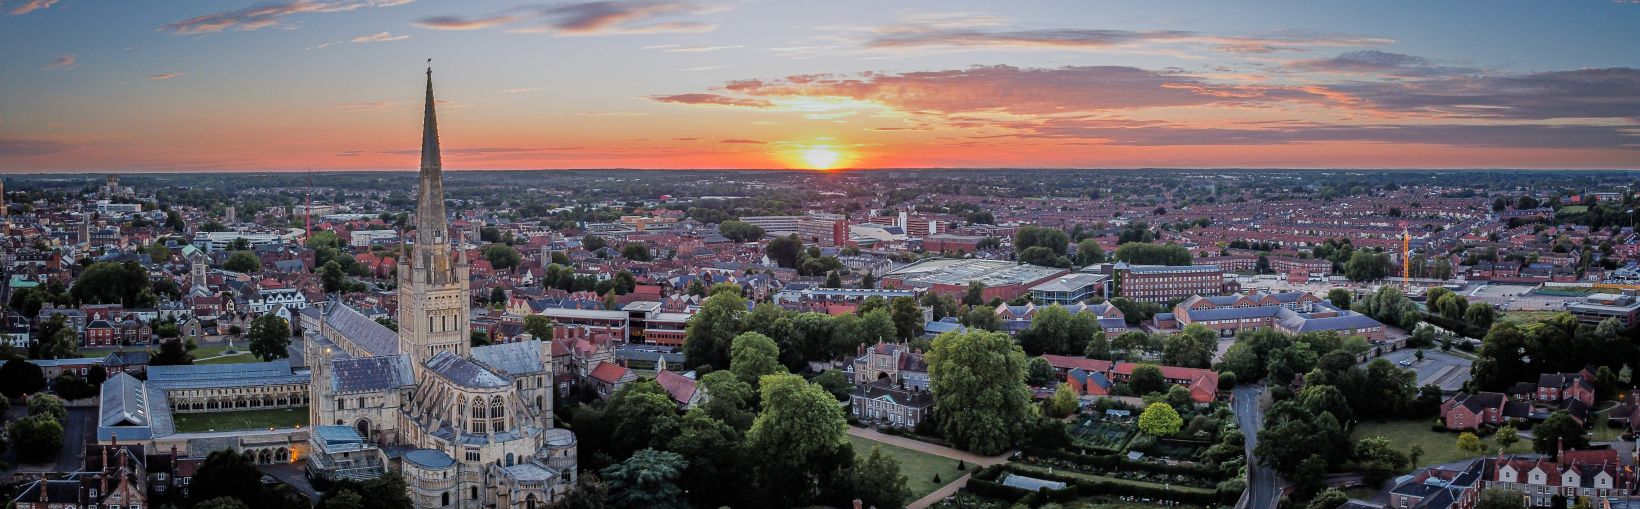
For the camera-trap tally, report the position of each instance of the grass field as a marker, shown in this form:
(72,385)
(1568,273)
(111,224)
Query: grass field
(1438,447)
(1526,316)
(239,358)
(919,467)
(241,420)
(1598,430)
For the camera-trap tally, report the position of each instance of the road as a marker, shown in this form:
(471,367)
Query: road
(1440,368)
(1263,485)
(79,429)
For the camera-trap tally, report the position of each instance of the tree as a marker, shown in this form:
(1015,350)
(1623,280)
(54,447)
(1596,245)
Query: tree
(647,479)
(38,437)
(589,492)
(1559,431)
(1378,460)
(1153,254)
(1052,239)
(19,377)
(731,400)
(171,353)
(834,382)
(1506,436)
(740,231)
(877,325)
(70,385)
(709,331)
(799,437)
(1088,252)
(1330,498)
(225,473)
(1501,499)
(974,295)
(1339,298)
(234,503)
(636,251)
(109,282)
(983,318)
(1147,379)
(47,405)
(908,317)
(1479,315)
(270,337)
(1039,255)
(1415,453)
(752,355)
(1469,443)
(834,280)
(593,242)
(243,261)
(716,453)
(502,256)
(333,277)
(1064,402)
(980,399)
(785,251)
(96,375)
(1160,420)
(1038,372)
(878,482)
(640,415)
(1367,266)
(61,344)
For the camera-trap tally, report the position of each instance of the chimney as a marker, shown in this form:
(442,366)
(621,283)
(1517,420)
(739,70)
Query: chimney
(1560,447)
(104,464)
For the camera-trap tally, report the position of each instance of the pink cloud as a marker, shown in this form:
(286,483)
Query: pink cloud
(31,6)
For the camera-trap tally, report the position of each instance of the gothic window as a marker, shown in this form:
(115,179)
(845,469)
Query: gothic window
(498,412)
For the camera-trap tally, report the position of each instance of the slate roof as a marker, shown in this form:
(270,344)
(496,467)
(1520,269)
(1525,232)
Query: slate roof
(365,374)
(224,375)
(520,358)
(885,389)
(429,458)
(363,331)
(463,372)
(124,402)
(527,472)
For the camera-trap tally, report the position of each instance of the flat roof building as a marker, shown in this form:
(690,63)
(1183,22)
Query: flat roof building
(999,278)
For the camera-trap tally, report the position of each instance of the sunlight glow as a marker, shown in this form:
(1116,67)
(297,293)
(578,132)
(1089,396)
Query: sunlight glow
(821,157)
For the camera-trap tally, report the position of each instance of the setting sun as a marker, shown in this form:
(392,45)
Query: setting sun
(821,157)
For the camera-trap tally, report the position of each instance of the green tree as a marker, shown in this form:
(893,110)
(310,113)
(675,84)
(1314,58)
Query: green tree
(641,415)
(785,251)
(982,318)
(1147,379)
(877,325)
(974,295)
(1339,298)
(1367,266)
(1038,372)
(333,277)
(907,316)
(636,251)
(71,385)
(243,261)
(1469,443)
(1558,431)
(502,257)
(1331,498)
(835,383)
(1379,460)
(717,458)
(1052,239)
(62,344)
(1064,402)
(1160,420)
(225,473)
(648,479)
(752,355)
(1088,252)
(47,405)
(270,337)
(18,376)
(878,482)
(593,243)
(109,282)
(38,438)
(538,327)
(799,436)
(1506,436)
(1500,499)
(1139,253)
(731,400)
(709,331)
(589,492)
(740,231)
(980,399)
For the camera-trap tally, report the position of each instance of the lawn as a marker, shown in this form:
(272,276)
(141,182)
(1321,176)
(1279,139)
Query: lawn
(1598,430)
(241,420)
(919,467)
(1526,316)
(240,358)
(1438,447)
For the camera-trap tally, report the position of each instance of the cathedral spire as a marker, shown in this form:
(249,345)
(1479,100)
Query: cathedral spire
(431,225)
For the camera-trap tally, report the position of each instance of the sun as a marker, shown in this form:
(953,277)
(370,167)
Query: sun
(821,157)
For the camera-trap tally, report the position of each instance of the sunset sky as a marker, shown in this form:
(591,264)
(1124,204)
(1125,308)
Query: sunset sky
(179,85)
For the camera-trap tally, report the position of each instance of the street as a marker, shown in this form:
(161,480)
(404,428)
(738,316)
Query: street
(1263,484)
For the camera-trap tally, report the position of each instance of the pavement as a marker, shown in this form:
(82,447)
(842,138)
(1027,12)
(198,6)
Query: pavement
(1263,485)
(294,474)
(937,450)
(1440,368)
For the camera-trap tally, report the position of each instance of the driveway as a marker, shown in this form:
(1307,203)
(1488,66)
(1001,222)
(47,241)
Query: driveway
(1440,368)
(1263,485)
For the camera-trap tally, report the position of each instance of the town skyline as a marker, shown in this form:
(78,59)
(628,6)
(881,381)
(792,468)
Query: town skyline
(305,85)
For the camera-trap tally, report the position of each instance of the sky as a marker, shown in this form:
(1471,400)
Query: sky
(233,85)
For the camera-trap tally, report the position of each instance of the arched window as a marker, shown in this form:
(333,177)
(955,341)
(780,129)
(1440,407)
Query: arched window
(509,459)
(499,413)
(480,416)
(475,493)
(444,499)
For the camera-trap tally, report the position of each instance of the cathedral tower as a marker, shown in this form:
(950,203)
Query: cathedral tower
(433,283)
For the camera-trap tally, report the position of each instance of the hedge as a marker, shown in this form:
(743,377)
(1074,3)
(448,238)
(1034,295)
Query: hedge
(1114,461)
(1077,488)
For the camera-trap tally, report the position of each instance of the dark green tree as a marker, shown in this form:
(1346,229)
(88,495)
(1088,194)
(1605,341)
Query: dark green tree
(270,337)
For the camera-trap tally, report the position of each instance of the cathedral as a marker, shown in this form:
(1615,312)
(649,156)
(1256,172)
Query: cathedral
(471,427)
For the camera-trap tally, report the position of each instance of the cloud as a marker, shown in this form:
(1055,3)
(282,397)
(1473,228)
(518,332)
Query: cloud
(1135,133)
(588,18)
(31,6)
(700,49)
(980,32)
(165,76)
(1583,93)
(742,141)
(23,147)
(711,99)
(63,62)
(1379,62)
(265,15)
(1009,89)
(486,151)
(380,37)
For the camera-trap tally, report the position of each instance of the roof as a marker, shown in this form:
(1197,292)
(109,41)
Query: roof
(124,402)
(949,271)
(362,330)
(225,375)
(364,374)
(429,458)
(463,372)
(1031,483)
(609,373)
(520,358)
(338,434)
(884,389)
(681,388)
(1072,282)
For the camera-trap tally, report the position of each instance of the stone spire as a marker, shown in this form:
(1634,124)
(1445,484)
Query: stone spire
(432,229)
